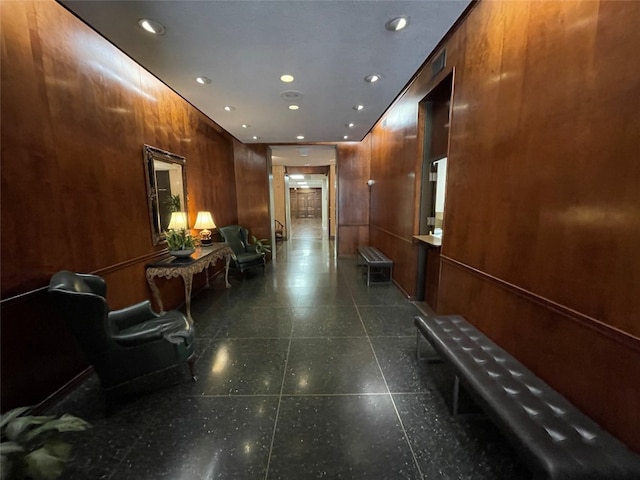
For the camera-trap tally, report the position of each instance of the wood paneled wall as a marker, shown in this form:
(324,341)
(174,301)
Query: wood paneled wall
(352,171)
(76,113)
(280,197)
(542,216)
(252,180)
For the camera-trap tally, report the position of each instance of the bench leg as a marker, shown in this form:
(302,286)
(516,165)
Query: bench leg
(456,396)
(434,359)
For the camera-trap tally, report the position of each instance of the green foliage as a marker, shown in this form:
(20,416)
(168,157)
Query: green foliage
(262,245)
(174,203)
(30,447)
(180,240)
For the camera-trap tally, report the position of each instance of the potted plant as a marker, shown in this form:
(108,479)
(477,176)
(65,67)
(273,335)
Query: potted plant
(31,448)
(262,245)
(180,242)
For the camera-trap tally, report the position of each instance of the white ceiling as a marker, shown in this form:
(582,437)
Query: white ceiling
(244,47)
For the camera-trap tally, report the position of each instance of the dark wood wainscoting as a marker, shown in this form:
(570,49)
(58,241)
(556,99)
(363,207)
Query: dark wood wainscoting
(76,113)
(555,343)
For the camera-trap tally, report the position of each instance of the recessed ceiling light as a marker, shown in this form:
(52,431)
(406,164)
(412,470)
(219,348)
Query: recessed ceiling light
(358,107)
(229,108)
(300,137)
(203,80)
(293,107)
(255,137)
(397,24)
(152,26)
(372,78)
(287,78)
(350,125)
(346,137)
(244,125)
(296,177)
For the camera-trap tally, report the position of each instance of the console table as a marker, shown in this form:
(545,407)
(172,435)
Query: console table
(172,267)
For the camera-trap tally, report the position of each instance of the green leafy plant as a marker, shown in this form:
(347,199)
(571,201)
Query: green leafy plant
(31,448)
(174,203)
(180,240)
(262,245)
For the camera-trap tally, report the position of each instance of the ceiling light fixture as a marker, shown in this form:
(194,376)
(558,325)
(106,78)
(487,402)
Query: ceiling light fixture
(350,125)
(293,107)
(296,176)
(300,137)
(229,108)
(152,26)
(287,78)
(346,137)
(255,137)
(244,125)
(397,24)
(203,80)
(358,107)
(372,78)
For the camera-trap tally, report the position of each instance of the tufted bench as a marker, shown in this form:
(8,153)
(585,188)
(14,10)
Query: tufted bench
(374,258)
(551,435)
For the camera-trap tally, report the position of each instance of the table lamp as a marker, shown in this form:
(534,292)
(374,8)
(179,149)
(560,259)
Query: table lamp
(204,221)
(178,221)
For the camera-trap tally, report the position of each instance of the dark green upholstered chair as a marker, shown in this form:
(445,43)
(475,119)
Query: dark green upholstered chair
(121,344)
(244,256)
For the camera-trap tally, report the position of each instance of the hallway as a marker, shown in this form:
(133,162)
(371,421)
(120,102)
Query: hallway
(304,373)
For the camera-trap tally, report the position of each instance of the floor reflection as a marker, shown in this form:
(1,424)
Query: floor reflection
(305,372)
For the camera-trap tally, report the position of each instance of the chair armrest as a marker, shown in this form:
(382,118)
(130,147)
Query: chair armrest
(252,248)
(133,315)
(137,338)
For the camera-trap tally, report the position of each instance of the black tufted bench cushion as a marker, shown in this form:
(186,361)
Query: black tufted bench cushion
(551,435)
(374,258)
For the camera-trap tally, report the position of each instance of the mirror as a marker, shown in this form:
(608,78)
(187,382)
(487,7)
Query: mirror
(440,168)
(166,187)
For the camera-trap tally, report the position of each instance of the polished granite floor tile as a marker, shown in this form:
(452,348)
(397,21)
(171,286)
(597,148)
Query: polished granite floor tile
(332,366)
(259,322)
(327,321)
(340,437)
(393,321)
(397,358)
(204,437)
(324,296)
(455,448)
(294,367)
(247,366)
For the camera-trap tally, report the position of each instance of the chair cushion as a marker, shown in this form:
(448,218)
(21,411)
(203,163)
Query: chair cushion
(172,326)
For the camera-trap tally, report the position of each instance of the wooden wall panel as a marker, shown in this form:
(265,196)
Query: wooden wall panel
(76,113)
(353,171)
(554,344)
(541,191)
(279,197)
(252,180)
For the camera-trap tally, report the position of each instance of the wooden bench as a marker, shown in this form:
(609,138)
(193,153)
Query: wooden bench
(373,258)
(555,439)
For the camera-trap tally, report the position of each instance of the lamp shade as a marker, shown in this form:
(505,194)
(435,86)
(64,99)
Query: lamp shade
(178,221)
(204,220)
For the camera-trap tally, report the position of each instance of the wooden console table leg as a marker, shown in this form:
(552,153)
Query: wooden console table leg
(188,281)
(226,271)
(155,291)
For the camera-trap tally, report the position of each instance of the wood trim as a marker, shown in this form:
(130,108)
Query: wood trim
(102,271)
(395,235)
(63,391)
(613,333)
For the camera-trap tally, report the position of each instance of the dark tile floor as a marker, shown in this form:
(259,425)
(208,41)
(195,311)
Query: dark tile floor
(304,372)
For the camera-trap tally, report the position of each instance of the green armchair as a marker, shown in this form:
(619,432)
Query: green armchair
(122,344)
(244,256)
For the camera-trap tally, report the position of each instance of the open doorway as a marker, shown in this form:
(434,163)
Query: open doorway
(304,191)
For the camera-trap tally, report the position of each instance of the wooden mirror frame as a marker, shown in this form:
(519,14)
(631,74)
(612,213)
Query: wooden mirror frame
(151,157)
